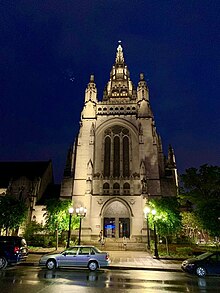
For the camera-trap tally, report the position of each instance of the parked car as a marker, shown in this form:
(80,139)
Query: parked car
(207,263)
(76,256)
(13,249)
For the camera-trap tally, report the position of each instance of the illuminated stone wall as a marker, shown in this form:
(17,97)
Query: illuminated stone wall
(120,126)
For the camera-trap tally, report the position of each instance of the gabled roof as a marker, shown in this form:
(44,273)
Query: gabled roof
(52,191)
(31,170)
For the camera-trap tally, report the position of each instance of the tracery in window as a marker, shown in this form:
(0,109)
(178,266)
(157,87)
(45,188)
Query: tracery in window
(116,152)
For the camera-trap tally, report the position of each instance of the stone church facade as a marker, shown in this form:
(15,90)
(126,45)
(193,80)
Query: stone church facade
(117,162)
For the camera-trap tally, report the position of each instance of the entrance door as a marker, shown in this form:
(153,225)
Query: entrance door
(109,227)
(124,227)
(116,220)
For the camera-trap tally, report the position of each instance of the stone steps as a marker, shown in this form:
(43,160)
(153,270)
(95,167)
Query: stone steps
(114,245)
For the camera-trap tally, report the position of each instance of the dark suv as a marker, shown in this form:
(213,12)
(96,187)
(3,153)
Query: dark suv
(13,249)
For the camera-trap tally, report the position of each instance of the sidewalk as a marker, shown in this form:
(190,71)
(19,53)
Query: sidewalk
(141,260)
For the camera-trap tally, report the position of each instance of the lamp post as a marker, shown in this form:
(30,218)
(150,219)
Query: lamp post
(156,254)
(81,213)
(69,232)
(146,213)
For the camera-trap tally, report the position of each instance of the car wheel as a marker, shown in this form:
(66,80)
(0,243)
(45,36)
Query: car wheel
(3,262)
(51,264)
(200,272)
(93,265)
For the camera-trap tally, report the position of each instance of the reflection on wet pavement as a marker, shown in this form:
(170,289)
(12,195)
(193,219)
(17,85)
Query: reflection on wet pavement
(35,280)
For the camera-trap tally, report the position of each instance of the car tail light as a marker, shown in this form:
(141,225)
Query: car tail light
(107,257)
(16,249)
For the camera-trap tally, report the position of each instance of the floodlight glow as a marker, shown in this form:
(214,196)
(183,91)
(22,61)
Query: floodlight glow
(70,210)
(147,210)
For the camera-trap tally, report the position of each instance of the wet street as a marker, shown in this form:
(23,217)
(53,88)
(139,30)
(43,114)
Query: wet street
(34,279)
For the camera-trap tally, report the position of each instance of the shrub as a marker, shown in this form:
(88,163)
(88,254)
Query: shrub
(184,251)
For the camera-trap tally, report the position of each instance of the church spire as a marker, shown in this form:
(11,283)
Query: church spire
(119,55)
(119,87)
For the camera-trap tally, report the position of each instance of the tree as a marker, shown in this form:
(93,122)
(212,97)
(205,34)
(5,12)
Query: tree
(57,216)
(167,217)
(201,183)
(192,227)
(209,214)
(13,213)
(201,187)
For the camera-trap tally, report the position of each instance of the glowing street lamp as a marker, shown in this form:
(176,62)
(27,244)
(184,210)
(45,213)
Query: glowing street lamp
(156,254)
(81,213)
(146,213)
(69,232)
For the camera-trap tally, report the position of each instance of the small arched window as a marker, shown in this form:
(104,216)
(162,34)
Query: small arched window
(116,188)
(106,188)
(126,188)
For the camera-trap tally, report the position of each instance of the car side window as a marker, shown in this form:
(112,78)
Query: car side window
(71,251)
(92,251)
(84,251)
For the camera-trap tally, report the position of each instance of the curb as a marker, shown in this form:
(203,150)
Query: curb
(160,258)
(143,269)
(116,267)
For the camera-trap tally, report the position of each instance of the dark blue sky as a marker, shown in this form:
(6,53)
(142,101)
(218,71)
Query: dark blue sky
(49,49)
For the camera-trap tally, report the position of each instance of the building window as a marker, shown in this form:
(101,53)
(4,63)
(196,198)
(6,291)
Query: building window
(105,188)
(126,188)
(116,152)
(116,188)
(116,160)
(125,156)
(107,155)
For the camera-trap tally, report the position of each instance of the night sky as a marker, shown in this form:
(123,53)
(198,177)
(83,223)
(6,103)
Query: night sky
(49,49)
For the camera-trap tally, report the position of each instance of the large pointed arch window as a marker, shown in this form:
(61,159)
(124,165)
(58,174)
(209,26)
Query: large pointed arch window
(116,152)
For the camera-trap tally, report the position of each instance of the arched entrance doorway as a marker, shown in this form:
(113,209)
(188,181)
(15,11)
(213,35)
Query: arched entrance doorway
(116,220)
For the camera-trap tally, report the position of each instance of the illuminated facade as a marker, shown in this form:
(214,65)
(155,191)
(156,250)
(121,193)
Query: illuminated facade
(117,161)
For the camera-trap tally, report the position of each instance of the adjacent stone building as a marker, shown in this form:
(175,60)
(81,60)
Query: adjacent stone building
(117,161)
(30,182)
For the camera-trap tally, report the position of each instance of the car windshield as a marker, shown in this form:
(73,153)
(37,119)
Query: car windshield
(204,255)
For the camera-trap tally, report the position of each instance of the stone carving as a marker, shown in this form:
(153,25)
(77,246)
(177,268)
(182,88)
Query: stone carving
(144,185)
(132,201)
(100,201)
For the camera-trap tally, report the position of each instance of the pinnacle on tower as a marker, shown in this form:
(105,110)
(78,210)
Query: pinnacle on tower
(119,55)
(171,157)
(120,85)
(91,91)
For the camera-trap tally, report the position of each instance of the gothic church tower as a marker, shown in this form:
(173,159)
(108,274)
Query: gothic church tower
(117,161)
